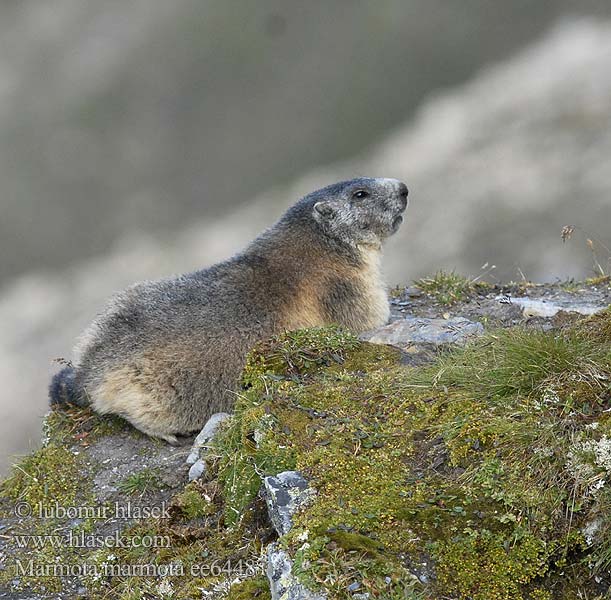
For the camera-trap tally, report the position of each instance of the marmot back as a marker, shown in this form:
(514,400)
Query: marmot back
(167,354)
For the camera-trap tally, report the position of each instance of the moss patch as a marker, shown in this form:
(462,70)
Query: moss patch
(484,473)
(194,502)
(297,353)
(251,589)
(43,483)
(48,475)
(259,439)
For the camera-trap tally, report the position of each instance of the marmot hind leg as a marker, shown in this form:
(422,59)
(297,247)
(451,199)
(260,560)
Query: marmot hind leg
(120,394)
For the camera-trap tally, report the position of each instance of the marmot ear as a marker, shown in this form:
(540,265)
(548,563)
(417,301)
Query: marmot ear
(324,209)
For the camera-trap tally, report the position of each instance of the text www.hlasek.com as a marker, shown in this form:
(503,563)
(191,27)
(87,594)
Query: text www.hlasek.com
(84,540)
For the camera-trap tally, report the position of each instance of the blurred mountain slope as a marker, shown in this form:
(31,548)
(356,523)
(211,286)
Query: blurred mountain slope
(124,115)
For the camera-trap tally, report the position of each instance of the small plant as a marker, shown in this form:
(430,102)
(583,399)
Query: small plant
(140,483)
(447,288)
(602,274)
(193,502)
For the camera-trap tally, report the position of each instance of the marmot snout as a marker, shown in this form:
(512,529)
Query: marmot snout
(167,354)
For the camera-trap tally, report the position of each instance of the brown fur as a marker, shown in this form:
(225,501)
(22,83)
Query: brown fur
(166,355)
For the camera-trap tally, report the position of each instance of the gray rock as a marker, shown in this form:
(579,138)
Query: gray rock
(285,494)
(197,469)
(413,330)
(413,292)
(538,307)
(205,436)
(124,454)
(283,584)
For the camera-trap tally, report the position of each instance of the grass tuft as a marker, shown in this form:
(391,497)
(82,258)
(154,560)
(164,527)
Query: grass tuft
(448,288)
(140,483)
(517,362)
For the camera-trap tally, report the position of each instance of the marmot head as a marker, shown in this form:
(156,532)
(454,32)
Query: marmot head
(360,212)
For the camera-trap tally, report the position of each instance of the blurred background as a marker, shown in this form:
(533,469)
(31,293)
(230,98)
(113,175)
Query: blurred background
(140,138)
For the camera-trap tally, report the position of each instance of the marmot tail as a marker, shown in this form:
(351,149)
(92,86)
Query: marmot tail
(64,389)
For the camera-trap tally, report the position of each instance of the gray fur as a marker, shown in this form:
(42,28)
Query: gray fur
(167,354)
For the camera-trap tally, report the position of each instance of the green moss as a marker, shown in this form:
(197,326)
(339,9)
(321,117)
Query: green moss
(258,441)
(256,588)
(193,502)
(249,448)
(49,480)
(481,566)
(355,542)
(367,358)
(482,464)
(51,474)
(296,353)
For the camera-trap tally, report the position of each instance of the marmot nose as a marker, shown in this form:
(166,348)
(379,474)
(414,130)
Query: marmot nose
(403,191)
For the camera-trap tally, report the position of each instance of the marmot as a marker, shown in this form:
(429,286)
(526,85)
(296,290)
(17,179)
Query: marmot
(167,354)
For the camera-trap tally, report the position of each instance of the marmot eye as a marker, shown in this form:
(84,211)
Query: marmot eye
(360,194)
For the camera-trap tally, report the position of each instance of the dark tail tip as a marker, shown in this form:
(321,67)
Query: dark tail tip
(63,388)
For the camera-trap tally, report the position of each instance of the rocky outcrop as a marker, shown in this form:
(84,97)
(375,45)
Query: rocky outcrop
(348,468)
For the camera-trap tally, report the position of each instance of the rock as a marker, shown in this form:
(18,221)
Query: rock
(413,292)
(407,331)
(283,584)
(205,435)
(549,308)
(197,469)
(285,494)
